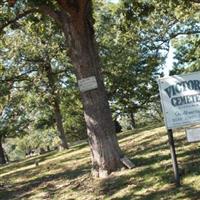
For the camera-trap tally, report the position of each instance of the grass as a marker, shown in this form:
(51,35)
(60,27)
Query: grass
(66,175)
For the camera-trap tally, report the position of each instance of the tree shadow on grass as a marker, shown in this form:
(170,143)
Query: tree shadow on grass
(136,131)
(22,190)
(149,163)
(140,186)
(25,162)
(171,192)
(152,167)
(30,161)
(80,146)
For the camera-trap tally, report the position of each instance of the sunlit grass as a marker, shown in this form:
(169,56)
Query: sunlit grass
(66,175)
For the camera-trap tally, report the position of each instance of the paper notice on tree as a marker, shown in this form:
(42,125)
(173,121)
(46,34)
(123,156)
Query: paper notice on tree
(87,84)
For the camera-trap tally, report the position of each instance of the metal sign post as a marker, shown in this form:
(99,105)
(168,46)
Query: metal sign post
(173,156)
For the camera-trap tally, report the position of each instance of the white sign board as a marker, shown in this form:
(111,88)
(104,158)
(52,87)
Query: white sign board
(180,98)
(193,134)
(87,84)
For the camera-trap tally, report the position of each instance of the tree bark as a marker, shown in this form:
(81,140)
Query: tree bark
(2,155)
(105,150)
(133,124)
(56,107)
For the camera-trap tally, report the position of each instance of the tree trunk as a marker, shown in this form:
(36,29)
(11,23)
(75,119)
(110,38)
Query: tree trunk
(59,124)
(105,150)
(2,155)
(56,107)
(133,124)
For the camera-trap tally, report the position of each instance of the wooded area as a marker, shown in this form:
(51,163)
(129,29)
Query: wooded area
(48,47)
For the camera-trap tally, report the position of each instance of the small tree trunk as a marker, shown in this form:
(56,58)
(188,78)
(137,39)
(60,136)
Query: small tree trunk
(105,150)
(59,124)
(133,123)
(6,157)
(48,148)
(56,106)
(2,155)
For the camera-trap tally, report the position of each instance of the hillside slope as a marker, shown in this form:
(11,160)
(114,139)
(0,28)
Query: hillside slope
(66,175)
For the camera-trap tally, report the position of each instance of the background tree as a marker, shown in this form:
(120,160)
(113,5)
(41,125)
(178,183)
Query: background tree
(131,54)
(37,50)
(13,120)
(141,44)
(41,59)
(186,53)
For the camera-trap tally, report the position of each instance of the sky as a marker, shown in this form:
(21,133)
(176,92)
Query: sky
(114,1)
(169,61)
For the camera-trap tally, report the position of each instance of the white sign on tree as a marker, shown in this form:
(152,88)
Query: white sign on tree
(180,98)
(87,84)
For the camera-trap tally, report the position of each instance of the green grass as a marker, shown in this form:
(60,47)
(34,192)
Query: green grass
(66,175)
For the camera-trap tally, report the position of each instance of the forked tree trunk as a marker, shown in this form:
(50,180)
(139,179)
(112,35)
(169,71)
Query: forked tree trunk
(56,107)
(105,150)
(2,155)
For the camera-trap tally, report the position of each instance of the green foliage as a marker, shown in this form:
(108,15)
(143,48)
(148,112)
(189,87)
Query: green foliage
(27,53)
(73,116)
(31,144)
(187,53)
(14,118)
(131,55)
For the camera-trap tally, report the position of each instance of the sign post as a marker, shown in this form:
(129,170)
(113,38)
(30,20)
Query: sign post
(173,156)
(180,99)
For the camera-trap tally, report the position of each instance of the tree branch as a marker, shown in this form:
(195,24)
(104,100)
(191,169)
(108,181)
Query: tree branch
(20,77)
(189,32)
(67,6)
(20,16)
(195,1)
(73,7)
(44,9)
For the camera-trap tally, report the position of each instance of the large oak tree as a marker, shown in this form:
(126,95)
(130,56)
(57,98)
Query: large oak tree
(74,17)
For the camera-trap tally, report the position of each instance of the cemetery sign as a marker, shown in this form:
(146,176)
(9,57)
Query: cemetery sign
(180,98)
